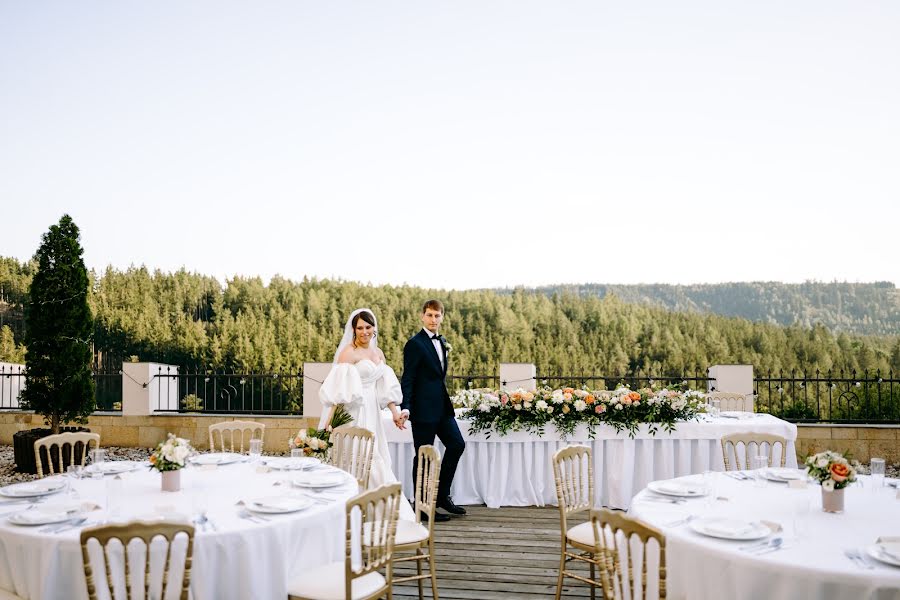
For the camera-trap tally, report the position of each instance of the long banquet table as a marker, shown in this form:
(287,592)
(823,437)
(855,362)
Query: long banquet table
(811,565)
(240,559)
(516,470)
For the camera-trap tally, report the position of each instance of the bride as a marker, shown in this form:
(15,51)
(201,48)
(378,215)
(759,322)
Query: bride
(362,381)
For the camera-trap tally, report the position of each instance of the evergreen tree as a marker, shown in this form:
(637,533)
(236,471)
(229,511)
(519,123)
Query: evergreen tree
(58,381)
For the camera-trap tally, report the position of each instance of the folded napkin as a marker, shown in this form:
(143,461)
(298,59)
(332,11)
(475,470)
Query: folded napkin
(891,550)
(729,527)
(274,503)
(39,517)
(786,474)
(679,488)
(38,486)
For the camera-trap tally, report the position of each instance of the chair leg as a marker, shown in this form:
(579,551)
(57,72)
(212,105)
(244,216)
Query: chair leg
(419,572)
(562,567)
(593,578)
(434,592)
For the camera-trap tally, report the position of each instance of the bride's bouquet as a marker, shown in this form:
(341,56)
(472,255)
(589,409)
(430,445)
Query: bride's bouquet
(316,442)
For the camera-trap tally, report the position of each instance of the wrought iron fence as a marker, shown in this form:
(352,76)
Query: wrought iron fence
(465,382)
(200,390)
(838,398)
(107,386)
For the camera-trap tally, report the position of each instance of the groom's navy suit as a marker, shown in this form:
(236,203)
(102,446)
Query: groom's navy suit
(430,410)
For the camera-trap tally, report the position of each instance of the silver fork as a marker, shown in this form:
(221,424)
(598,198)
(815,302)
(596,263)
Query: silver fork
(854,555)
(246,514)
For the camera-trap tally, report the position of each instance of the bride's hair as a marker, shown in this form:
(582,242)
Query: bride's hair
(365,316)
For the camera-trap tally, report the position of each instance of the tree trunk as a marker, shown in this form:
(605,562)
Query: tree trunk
(54,424)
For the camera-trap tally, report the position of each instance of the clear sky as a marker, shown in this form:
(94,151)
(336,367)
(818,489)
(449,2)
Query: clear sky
(458,144)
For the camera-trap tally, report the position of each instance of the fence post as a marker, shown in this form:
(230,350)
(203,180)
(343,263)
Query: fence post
(144,393)
(518,375)
(313,376)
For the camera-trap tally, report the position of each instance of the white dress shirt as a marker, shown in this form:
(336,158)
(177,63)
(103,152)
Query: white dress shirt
(437,346)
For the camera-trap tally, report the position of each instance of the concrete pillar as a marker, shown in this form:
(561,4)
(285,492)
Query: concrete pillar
(518,375)
(313,376)
(12,382)
(734,379)
(147,389)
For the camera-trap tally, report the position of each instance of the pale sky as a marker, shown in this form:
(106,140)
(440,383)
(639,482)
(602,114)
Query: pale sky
(458,144)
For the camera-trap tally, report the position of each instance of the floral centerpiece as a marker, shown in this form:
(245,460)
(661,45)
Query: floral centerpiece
(169,457)
(566,408)
(833,472)
(316,442)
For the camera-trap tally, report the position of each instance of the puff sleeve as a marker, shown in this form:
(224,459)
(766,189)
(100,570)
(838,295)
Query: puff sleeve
(342,386)
(387,389)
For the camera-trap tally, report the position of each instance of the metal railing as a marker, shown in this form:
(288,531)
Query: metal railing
(634,381)
(107,388)
(200,390)
(837,398)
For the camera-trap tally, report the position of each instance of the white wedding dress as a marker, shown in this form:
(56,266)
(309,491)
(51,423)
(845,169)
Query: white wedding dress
(365,389)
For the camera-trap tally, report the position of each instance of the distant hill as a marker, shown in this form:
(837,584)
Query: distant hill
(865,308)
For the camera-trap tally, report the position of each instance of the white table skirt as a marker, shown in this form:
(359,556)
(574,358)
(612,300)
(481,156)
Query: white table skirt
(814,566)
(516,470)
(242,560)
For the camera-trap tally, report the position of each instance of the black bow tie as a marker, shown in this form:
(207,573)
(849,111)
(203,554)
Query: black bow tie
(436,337)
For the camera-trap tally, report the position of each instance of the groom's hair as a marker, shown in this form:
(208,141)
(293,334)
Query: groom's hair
(433,305)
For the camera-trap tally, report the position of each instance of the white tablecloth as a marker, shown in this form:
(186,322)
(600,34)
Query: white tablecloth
(242,560)
(516,470)
(813,566)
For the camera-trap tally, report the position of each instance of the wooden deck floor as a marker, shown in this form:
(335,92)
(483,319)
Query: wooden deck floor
(498,553)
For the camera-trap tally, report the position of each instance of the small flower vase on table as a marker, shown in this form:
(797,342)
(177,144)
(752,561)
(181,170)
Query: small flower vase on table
(169,458)
(171,481)
(833,501)
(834,473)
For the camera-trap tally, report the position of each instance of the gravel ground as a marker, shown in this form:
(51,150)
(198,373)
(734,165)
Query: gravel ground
(8,474)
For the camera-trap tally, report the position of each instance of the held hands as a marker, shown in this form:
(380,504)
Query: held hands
(400,418)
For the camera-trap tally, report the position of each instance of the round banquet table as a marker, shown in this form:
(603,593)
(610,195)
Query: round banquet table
(233,557)
(811,566)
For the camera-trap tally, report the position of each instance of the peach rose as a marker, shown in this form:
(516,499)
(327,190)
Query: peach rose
(589,399)
(839,472)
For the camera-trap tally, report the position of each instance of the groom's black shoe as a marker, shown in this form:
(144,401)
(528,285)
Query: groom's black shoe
(438,517)
(447,504)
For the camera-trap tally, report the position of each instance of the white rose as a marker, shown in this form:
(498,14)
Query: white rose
(484,407)
(528,405)
(541,405)
(822,462)
(618,407)
(517,407)
(580,405)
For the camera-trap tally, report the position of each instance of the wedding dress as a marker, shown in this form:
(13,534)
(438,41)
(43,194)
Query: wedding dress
(365,389)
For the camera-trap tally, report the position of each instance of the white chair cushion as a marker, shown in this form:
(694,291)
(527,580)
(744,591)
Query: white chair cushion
(410,532)
(327,583)
(583,534)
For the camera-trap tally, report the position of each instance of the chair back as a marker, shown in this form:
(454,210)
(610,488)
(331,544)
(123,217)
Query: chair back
(165,556)
(59,441)
(235,429)
(731,401)
(632,556)
(573,470)
(730,449)
(351,451)
(371,527)
(427,474)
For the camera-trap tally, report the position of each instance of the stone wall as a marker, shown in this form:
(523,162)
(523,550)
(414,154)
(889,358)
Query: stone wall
(148,431)
(862,441)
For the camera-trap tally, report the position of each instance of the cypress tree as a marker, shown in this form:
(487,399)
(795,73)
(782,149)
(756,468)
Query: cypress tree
(59,329)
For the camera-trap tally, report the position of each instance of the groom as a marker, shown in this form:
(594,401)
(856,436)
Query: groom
(427,403)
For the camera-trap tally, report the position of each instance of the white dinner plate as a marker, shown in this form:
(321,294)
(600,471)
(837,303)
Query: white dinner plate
(730,529)
(887,553)
(681,489)
(278,504)
(320,480)
(33,489)
(114,467)
(217,458)
(783,474)
(46,514)
(287,463)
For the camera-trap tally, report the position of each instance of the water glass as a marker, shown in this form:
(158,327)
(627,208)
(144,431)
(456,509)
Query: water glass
(800,504)
(97,456)
(758,463)
(75,471)
(877,469)
(115,488)
(716,408)
(297,453)
(255,449)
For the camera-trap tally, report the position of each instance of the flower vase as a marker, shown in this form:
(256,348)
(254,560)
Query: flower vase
(833,501)
(171,480)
